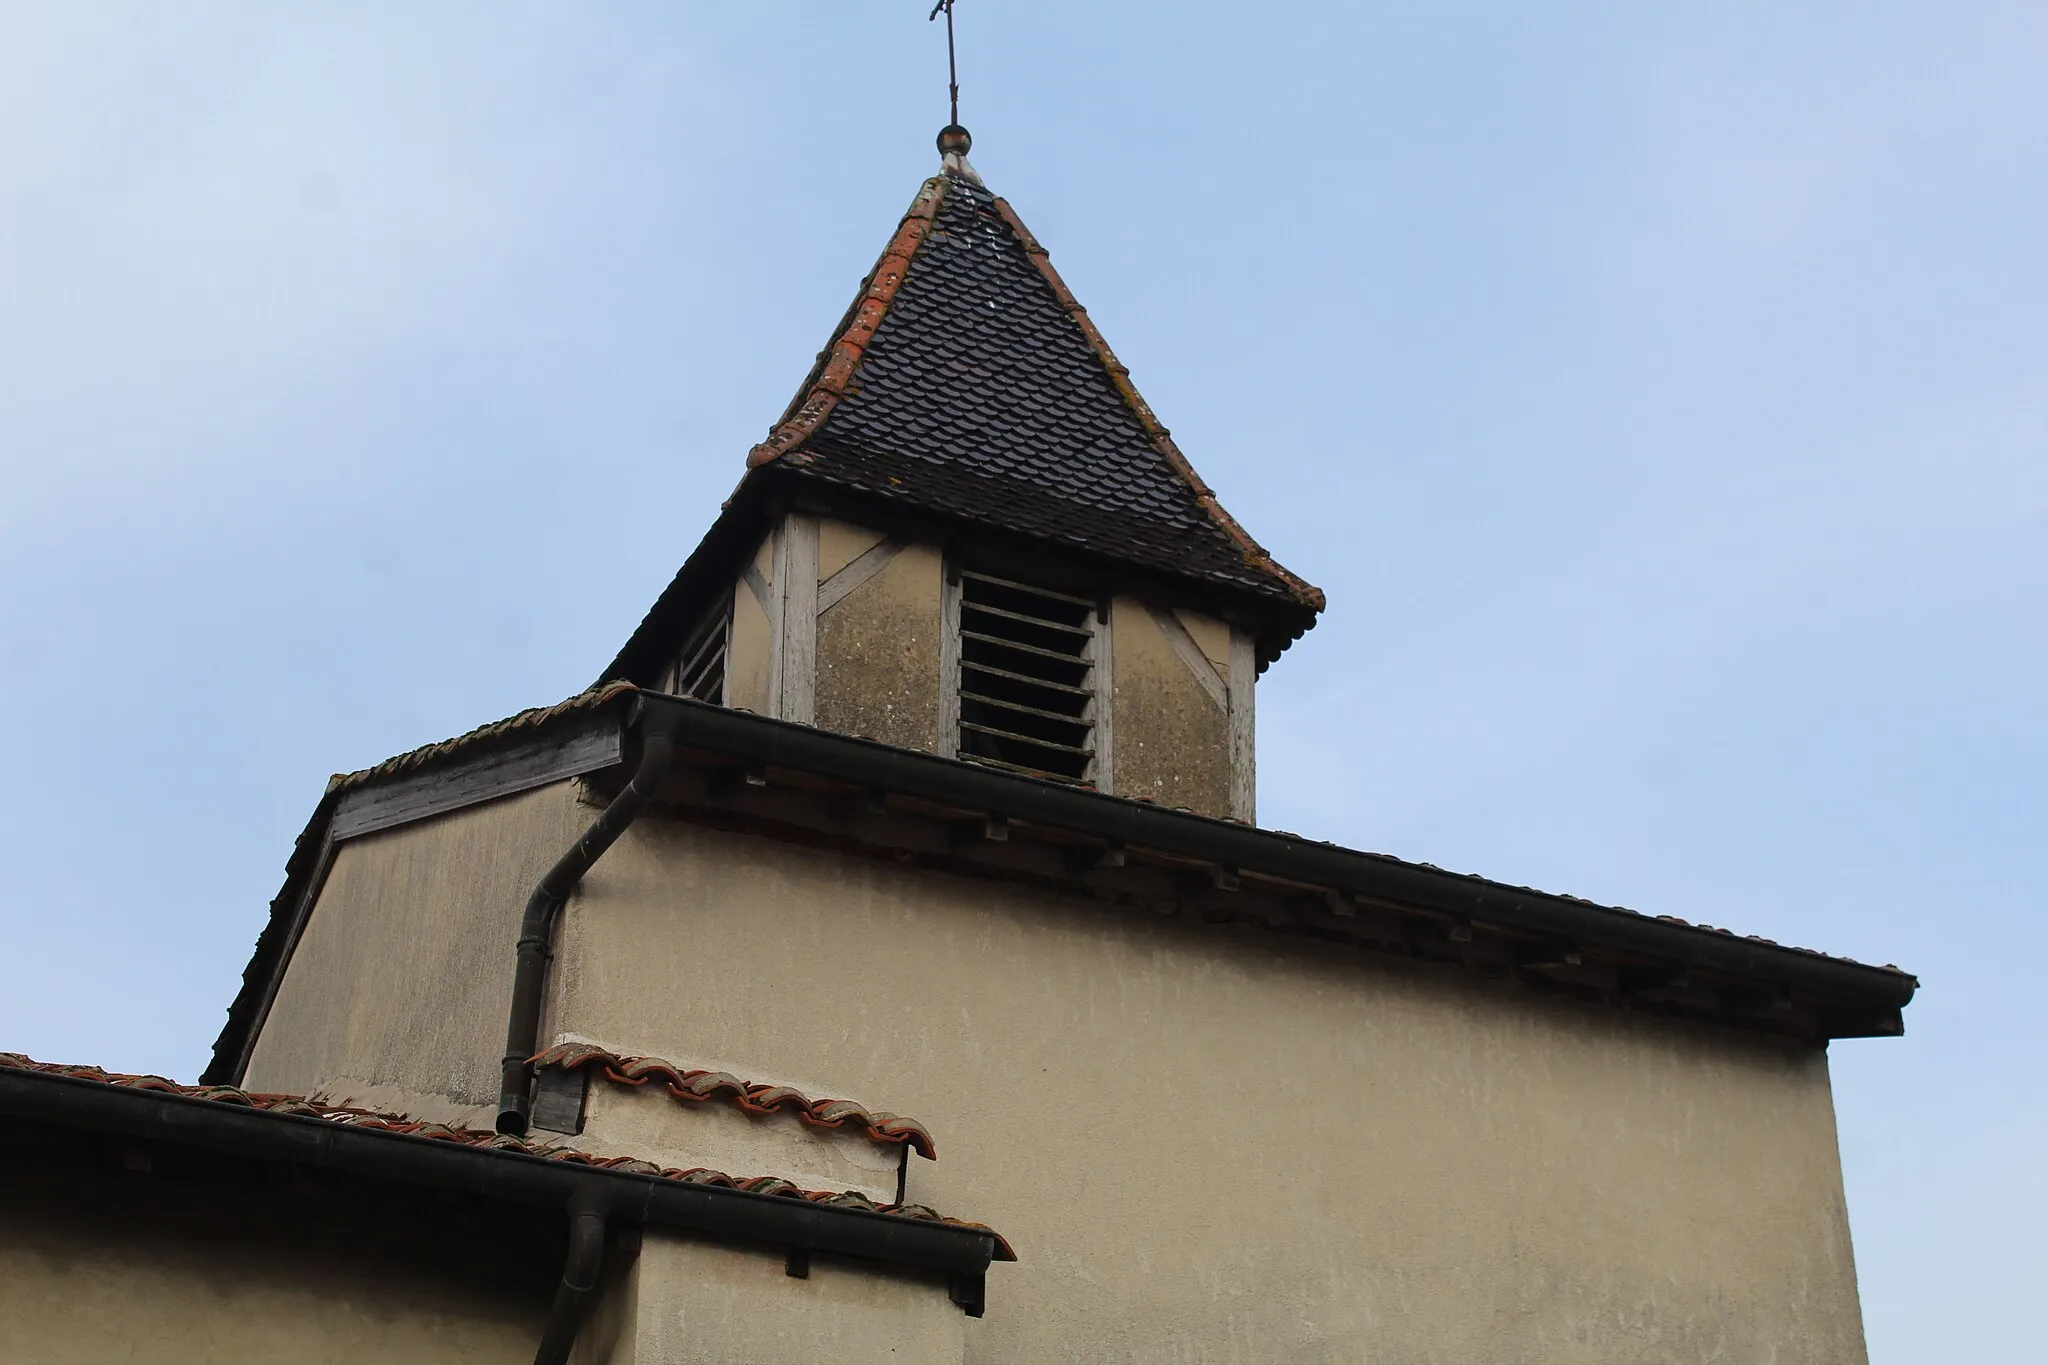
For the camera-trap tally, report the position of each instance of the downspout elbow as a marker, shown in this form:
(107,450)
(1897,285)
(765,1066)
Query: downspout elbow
(581,1270)
(544,907)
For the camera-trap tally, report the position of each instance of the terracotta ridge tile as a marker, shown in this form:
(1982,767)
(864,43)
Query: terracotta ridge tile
(479,1137)
(1255,554)
(753,1097)
(836,366)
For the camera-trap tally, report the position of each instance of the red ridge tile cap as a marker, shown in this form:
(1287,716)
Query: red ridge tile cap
(839,361)
(752,1096)
(479,1137)
(530,719)
(1255,554)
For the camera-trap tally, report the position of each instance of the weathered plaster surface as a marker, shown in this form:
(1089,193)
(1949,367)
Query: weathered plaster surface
(750,653)
(691,1303)
(1172,739)
(1206,1144)
(840,543)
(396,997)
(80,1289)
(1210,635)
(878,654)
(1209,1145)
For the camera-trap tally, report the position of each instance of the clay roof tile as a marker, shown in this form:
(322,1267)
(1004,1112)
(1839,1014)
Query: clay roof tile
(966,380)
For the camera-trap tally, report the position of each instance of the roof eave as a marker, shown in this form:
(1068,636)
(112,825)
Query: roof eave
(1867,1001)
(768,489)
(1877,994)
(514,1177)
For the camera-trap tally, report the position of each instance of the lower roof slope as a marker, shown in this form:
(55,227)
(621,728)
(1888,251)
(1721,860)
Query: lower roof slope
(32,1089)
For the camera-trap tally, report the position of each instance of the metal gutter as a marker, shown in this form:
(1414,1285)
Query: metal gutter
(496,1174)
(759,740)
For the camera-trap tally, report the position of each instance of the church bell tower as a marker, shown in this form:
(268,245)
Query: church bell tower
(969,535)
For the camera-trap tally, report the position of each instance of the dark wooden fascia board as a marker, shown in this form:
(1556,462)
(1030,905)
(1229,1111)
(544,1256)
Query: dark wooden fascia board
(570,751)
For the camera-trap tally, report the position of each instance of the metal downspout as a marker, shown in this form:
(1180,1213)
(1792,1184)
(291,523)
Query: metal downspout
(580,1271)
(536,928)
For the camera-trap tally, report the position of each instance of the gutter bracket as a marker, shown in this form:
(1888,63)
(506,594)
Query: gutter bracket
(970,1292)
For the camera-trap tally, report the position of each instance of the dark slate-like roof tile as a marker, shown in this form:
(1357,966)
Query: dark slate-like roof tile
(978,390)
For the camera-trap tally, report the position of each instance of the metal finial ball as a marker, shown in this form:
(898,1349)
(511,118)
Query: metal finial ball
(954,140)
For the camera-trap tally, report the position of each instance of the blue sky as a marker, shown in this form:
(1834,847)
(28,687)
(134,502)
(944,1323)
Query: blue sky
(1656,390)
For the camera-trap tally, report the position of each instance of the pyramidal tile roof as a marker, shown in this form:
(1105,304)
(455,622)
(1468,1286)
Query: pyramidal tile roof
(966,381)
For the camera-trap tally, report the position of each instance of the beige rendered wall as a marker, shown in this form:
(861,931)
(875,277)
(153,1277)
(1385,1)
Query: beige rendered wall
(397,994)
(1171,733)
(878,647)
(692,1303)
(1211,1145)
(85,1292)
(750,652)
(840,543)
(879,659)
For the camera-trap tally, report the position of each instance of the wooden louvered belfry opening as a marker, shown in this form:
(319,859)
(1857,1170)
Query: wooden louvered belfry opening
(700,667)
(1027,690)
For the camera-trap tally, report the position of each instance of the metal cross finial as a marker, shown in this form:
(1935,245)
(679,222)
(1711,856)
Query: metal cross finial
(952,66)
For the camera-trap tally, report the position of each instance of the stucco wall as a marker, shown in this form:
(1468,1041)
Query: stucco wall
(396,997)
(691,1303)
(123,1283)
(1212,1145)
(878,652)
(840,543)
(750,651)
(1172,737)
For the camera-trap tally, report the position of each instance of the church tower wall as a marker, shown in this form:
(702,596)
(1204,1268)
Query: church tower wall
(98,1268)
(880,616)
(750,666)
(1431,1119)
(685,1302)
(1173,711)
(871,645)
(1208,1143)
